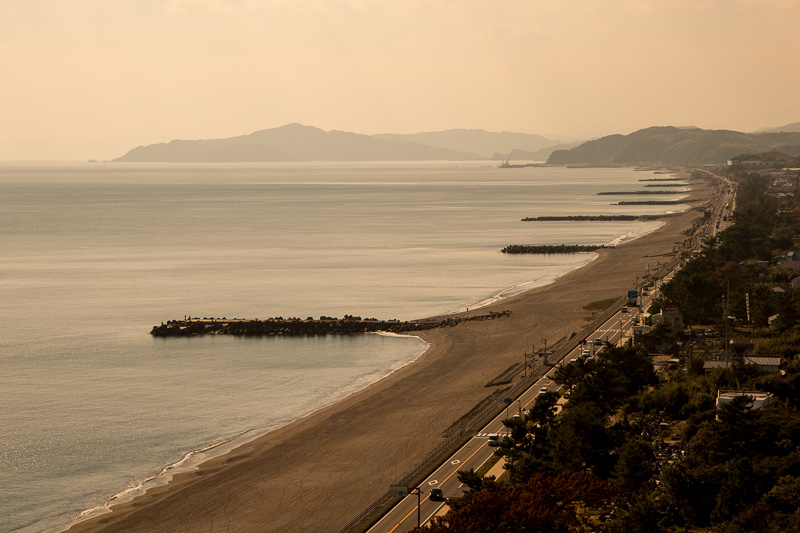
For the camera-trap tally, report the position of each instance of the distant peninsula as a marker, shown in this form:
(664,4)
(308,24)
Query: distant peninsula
(296,142)
(667,145)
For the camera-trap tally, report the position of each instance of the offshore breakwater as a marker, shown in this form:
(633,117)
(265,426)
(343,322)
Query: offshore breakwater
(553,248)
(349,325)
(653,202)
(602,193)
(594,218)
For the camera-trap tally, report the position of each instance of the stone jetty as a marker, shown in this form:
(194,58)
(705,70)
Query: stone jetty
(666,185)
(349,325)
(662,179)
(653,202)
(594,218)
(552,248)
(635,192)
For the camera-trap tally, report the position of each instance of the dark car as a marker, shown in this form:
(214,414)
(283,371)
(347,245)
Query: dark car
(437,495)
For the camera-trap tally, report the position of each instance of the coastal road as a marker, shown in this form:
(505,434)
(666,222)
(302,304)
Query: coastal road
(405,514)
(414,508)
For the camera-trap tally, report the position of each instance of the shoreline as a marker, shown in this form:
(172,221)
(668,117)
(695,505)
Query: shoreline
(313,464)
(194,459)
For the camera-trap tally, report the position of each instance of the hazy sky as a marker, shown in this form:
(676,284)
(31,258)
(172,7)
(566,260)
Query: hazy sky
(93,78)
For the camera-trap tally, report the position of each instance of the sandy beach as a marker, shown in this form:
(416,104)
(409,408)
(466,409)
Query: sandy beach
(317,473)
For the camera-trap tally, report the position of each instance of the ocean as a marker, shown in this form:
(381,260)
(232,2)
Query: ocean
(93,255)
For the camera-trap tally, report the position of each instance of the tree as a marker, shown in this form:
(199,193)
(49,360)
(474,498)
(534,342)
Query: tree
(638,513)
(737,489)
(543,504)
(527,443)
(474,482)
(636,465)
(581,441)
(573,372)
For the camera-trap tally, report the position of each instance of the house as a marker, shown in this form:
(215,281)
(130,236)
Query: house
(672,317)
(790,260)
(760,399)
(771,320)
(741,344)
(765,363)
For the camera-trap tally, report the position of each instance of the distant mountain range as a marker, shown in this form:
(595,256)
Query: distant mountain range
(677,146)
(793,127)
(483,143)
(295,142)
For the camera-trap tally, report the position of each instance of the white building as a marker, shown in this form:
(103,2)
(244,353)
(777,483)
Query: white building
(760,399)
(672,317)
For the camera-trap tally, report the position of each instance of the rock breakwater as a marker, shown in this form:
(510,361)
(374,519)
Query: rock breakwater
(349,325)
(603,193)
(552,248)
(653,202)
(593,218)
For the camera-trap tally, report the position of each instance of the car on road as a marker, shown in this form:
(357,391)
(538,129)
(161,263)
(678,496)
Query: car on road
(437,495)
(494,440)
(598,342)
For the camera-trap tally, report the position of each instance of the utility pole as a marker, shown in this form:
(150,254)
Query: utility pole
(727,297)
(525,357)
(544,340)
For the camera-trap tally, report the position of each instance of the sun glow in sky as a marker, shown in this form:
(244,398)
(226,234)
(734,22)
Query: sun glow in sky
(93,78)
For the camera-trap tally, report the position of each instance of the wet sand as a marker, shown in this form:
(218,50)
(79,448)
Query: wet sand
(317,473)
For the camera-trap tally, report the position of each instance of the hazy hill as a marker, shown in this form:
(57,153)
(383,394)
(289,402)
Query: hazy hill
(539,155)
(481,142)
(670,145)
(793,127)
(293,142)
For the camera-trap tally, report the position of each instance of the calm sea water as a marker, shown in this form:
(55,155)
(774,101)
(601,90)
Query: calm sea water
(93,255)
